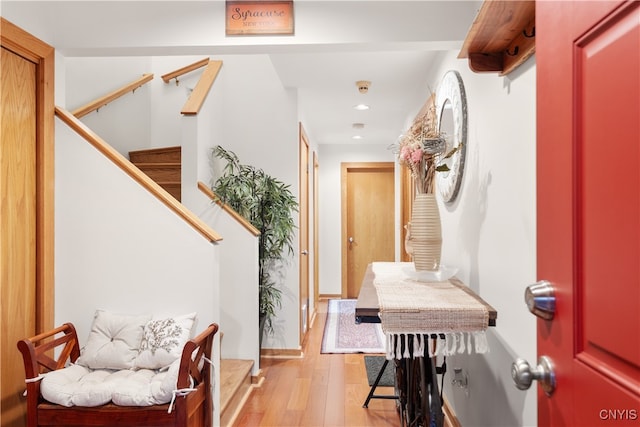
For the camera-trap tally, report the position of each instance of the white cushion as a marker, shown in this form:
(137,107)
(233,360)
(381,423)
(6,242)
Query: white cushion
(146,387)
(77,386)
(114,341)
(80,386)
(163,341)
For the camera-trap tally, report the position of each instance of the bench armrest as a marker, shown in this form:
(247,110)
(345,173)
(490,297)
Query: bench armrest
(37,352)
(38,355)
(196,355)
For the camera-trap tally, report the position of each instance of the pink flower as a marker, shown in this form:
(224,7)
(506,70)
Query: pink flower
(405,154)
(416,156)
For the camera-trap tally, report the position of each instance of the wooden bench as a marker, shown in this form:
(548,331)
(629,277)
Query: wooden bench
(194,409)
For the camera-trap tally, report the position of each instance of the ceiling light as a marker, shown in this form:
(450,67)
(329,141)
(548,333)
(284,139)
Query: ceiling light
(361,107)
(358,125)
(356,137)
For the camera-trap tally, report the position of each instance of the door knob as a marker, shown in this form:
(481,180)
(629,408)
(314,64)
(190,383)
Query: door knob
(304,252)
(541,300)
(523,375)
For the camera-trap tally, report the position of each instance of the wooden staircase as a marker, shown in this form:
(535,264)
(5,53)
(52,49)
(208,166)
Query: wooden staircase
(235,386)
(163,165)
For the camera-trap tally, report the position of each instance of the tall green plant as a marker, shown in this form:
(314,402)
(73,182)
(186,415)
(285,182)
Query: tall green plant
(269,205)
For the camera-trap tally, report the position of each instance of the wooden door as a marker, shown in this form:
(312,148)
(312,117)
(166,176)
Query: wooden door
(18,225)
(588,154)
(367,220)
(26,206)
(304,233)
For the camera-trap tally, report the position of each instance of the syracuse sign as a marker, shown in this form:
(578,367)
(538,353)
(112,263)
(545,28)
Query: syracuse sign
(259,17)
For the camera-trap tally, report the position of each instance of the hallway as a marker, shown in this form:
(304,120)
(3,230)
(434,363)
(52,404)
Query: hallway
(316,390)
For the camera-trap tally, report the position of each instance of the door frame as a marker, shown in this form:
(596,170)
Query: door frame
(407,190)
(303,237)
(42,55)
(345,168)
(316,233)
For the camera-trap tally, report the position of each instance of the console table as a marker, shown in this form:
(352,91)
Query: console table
(417,391)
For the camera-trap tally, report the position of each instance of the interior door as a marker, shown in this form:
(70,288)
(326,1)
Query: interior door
(26,205)
(588,137)
(368,220)
(18,225)
(304,233)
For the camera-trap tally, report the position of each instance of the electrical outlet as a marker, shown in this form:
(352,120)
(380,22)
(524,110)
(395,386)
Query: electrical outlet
(460,378)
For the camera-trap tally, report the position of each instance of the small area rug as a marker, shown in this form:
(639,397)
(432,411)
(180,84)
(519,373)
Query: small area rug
(343,335)
(373,364)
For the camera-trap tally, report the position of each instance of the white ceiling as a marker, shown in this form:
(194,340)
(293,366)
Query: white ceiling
(336,43)
(327,91)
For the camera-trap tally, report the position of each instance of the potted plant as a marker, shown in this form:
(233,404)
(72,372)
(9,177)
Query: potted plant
(268,205)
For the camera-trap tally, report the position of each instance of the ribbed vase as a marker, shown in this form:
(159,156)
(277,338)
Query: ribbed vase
(426,232)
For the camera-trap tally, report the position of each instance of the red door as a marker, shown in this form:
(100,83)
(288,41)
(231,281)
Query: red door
(588,154)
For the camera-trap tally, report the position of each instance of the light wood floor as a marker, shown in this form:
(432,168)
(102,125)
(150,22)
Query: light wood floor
(316,390)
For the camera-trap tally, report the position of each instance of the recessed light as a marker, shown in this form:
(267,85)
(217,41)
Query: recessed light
(361,107)
(356,137)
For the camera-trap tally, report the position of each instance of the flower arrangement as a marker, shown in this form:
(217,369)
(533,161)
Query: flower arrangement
(422,150)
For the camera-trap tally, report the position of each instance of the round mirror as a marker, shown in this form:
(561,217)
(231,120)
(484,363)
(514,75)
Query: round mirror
(451,107)
(446,129)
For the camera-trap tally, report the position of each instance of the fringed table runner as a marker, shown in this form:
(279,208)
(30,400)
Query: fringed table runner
(411,310)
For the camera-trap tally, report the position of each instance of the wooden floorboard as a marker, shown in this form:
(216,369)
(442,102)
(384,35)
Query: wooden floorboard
(316,390)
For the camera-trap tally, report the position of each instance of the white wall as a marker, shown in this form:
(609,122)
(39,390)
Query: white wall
(490,234)
(91,78)
(117,246)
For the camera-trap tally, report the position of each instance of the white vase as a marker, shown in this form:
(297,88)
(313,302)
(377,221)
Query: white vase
(426,232)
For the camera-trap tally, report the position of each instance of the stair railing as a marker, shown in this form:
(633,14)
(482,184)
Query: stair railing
(104,100)
(201,90)
(140,177)
(184,70)
(235,215)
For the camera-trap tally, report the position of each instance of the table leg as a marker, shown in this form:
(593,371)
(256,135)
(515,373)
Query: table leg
(435,409)
(419,401)
(371,394)
(401,390)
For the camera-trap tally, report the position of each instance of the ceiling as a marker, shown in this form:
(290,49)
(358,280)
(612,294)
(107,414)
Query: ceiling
(392,44)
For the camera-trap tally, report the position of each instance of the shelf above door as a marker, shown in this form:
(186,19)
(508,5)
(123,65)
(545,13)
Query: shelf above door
(502,36)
